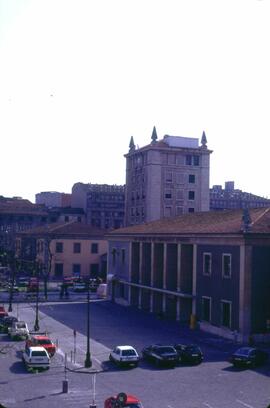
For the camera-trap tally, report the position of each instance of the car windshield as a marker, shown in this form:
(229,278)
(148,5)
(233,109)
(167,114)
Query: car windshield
(135,405)
(243,350)
(39,354)
(45,341)
(129,352)
(193,349)
(164,350)
(21,325)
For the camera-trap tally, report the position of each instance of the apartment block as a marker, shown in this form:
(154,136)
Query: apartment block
(165,178)
(103,204)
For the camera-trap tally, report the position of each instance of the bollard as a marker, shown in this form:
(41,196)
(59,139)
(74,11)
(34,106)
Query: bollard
(65,387)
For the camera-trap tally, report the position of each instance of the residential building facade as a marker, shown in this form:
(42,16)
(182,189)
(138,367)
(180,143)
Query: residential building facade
(53,199)
(212,267)
(231,198)
(103,204)
(16,215)
(67,250)
(166,178)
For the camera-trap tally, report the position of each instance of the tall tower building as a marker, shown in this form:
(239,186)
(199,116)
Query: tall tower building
(165,178)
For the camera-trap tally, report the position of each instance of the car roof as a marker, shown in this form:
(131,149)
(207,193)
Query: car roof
(130,399)
(246,348)
(40,337)
(37,348)
(125,347)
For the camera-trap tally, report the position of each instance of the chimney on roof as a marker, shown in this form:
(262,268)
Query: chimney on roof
(246,220)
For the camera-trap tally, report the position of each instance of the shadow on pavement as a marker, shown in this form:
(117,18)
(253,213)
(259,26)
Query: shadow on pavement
(18,368)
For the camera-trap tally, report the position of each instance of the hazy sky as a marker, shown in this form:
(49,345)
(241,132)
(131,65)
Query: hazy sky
(79,77)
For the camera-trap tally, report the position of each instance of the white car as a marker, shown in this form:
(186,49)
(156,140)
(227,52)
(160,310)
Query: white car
(18,330)
(36,357)
(124,355)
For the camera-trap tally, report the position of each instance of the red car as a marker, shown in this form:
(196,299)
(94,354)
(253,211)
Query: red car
(123,400)
(3,312)
(41,340)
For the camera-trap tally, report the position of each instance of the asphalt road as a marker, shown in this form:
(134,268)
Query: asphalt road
(213,384)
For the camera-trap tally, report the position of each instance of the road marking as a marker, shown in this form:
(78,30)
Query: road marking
(243,403)
(207,405)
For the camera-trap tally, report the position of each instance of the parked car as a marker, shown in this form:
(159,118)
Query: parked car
(159,354)
(68,281)
(79,287)
(32,285)
(41,340)
(10,287)
(123,400)
(18,330)
(102,290)
(23,281)
(189,353)
(3,311)
(248,357)
(6,322)
(124,356)
(36,357)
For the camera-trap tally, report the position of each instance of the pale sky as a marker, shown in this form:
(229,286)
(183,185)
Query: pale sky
(78,78)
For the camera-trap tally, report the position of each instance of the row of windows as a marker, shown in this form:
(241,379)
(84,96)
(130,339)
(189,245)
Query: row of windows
(76,269)
(226,264)
(180,178)
(169,211)
(179,159)
(59,247)
(225,311)
(179,195)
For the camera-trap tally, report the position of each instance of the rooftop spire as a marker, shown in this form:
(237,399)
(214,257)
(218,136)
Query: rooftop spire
(131,144)
(204,140)
(154,135)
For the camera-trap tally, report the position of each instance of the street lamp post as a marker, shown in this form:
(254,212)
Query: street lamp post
(11,292)
(11,288)
(36,326)
(88,361)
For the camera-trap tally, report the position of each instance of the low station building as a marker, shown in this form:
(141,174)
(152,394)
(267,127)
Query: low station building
(208,267)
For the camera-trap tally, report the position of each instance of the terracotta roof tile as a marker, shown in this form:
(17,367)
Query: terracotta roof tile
(66,229)
(210,222)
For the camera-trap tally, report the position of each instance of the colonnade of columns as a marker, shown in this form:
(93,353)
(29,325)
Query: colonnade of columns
(162,278)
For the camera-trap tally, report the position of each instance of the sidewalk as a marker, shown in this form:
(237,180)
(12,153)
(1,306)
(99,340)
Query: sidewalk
(70,348)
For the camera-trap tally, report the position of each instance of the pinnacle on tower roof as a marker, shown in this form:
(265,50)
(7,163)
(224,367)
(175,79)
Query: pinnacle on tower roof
(204,140)
(131,144)
(154,135)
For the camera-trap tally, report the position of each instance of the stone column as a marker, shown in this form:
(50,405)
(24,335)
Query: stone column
(140,263)
(129,272)
(245,292)
(164,265)
(178,267)
(164,276)
(178,308)
(194,279)
(152,276)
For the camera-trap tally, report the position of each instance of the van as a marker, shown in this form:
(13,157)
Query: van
(102,290)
